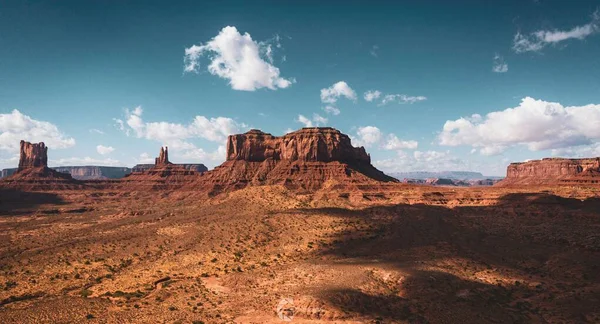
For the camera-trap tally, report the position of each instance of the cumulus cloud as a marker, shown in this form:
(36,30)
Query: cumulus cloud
(173,134)
(372,95)
(332,110)
(340,89)
(401,99)
(423,161)
(394,143)
(145,158)
(499,65)
(16,126)
(369,136)
(535,124)
(538,40)
(247,64)
(177,136)
(103,150)
(317,120)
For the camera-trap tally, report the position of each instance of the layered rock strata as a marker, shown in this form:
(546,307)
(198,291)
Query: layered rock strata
(308,158)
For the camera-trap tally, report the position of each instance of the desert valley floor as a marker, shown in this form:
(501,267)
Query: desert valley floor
(386,254)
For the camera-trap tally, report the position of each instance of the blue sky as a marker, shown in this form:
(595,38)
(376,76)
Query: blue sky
(469,85)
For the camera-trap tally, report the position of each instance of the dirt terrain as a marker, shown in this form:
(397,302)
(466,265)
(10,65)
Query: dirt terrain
(392,253)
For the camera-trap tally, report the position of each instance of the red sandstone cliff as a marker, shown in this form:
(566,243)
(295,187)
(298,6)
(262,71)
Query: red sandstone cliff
(308,158)
(553,171)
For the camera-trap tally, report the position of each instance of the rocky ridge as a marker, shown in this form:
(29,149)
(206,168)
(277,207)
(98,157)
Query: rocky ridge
(553,171)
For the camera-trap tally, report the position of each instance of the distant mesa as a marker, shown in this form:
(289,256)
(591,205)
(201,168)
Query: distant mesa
(553,171)
(163,169)
(307,158)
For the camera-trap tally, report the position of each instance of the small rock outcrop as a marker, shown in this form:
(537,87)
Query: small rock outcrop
(33,155)
(553,171)
(308,158)
(163,157)
(163,171)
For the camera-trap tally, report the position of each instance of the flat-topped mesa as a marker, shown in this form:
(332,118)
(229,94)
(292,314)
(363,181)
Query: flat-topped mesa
(310,144)
(33,155)
(554,171)
(163,158)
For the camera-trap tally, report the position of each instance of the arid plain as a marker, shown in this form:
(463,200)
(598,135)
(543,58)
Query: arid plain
(306,246)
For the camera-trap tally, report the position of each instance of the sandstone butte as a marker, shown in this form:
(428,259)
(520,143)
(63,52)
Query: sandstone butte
(553,171)
(33,165)
(305,159)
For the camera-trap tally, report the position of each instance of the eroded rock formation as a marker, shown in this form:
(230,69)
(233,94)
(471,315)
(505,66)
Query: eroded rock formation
(33,155)
(315,144)
(33,166)
(308,158)
(163,157)
(163,171)
(553,171)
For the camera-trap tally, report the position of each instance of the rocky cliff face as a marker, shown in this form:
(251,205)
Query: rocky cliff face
(315,144)
(308,158)
(33,155)
(553,171)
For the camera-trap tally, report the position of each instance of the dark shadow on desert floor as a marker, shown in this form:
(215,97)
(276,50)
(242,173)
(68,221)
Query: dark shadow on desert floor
(16,202)
(530,257)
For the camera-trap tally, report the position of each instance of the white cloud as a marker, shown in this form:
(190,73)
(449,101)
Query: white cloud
(77,161)
(372,95)
(401,99)
(423,161)
(173,134)
(581,151)
(340,89)
(239,59)
(16,126)
(541,38)
(97,131)
(499,65)
(316,121)
(369,135)
(104,149)
(176,136)
(331,110)
(200,155)
(394,143)
(307,122)
(536,124)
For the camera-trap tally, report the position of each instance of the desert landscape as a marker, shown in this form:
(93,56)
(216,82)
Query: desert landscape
(298,228)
